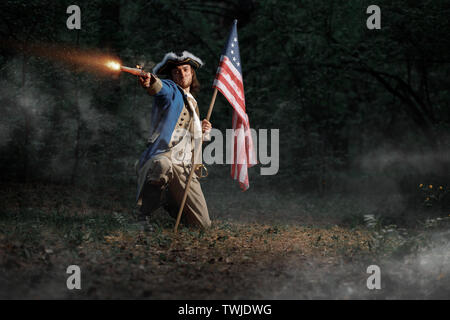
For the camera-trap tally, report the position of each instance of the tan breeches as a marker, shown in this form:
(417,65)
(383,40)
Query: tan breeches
(195,210)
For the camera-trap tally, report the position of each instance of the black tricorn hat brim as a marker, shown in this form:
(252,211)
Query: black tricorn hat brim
(172,60)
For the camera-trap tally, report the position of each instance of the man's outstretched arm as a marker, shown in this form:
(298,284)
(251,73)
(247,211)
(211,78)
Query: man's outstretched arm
(151,83)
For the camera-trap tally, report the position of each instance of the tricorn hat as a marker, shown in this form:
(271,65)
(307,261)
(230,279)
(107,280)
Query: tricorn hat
(173,59)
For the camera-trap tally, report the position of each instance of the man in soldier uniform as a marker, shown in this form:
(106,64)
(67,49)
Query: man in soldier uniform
(165,166)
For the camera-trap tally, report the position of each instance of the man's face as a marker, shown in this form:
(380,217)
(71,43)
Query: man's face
(182,75)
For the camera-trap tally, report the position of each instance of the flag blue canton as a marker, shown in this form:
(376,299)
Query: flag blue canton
(232,48)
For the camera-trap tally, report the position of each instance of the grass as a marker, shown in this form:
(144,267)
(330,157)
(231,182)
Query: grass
(298,247)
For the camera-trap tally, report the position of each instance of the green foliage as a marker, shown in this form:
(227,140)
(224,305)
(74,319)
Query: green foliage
(393,241)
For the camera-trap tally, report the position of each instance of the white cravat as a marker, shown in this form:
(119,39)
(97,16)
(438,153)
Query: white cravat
(197,124)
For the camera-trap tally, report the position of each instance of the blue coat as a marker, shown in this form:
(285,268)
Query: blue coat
(167,106)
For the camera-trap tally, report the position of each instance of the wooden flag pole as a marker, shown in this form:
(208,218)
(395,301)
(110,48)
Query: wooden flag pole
(194,166)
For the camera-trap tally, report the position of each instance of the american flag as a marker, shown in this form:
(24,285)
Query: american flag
(229,82)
